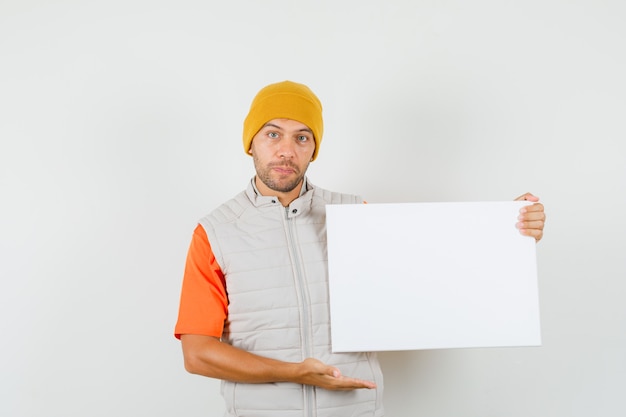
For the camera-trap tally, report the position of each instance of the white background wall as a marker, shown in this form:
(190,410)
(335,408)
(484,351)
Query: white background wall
(120,126)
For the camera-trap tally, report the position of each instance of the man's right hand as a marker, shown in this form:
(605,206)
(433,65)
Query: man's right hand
(328,377)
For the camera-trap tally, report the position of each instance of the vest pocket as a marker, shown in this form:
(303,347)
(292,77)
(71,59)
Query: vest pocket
(272,399)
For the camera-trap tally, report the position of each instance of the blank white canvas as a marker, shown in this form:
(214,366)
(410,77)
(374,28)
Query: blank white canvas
(431,276)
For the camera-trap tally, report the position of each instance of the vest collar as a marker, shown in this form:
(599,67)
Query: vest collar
(298,206)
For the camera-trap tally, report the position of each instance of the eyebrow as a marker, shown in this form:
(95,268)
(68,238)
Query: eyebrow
(306,129)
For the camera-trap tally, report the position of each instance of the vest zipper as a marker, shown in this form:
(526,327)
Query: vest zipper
(303,296)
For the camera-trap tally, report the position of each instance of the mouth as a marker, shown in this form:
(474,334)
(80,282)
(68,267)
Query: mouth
(284,169)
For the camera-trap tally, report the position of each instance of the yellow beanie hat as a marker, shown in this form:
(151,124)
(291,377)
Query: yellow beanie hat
(284,100)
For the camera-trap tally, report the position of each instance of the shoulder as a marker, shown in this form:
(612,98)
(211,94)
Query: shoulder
(228,211)
(333,197)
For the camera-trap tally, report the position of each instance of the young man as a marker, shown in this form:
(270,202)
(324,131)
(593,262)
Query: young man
(254,306)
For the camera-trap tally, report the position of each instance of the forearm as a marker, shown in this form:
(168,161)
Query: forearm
(212,358)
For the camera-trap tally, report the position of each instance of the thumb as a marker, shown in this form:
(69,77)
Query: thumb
(527,197)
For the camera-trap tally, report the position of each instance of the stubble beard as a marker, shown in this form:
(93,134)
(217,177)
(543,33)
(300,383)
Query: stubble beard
(284,185)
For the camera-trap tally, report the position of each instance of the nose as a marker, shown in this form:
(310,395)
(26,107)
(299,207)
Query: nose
(286,149)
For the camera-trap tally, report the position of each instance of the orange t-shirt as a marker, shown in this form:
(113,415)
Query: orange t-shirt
(203,300)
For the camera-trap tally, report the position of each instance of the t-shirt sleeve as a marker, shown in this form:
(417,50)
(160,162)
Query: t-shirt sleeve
(203,300)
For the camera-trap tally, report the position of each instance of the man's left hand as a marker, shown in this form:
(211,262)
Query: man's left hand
(532,218)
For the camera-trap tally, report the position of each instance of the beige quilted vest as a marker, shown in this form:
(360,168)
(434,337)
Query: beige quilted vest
(275,262)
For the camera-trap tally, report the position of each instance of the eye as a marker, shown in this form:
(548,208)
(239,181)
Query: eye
(302,138)
(272,135)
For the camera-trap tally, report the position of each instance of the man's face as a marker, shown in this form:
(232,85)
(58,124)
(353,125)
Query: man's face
(282,150)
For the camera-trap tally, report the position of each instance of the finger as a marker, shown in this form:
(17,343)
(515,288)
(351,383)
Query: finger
(534,225)
(532,213)
(532,207)
(535,233)
(346,383)
(536,215)
(531,228)
(364,384)
(350,382)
